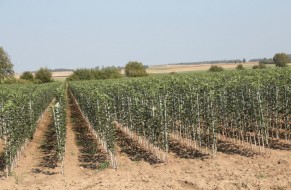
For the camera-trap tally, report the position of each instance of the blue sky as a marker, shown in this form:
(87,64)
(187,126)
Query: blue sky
(89,33)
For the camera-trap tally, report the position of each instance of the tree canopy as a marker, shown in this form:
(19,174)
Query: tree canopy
(215,68)
(260,66)
(281,59)
(240,67)
(6,67)
(27,76)
(95,74)
(43,75)
(135,69)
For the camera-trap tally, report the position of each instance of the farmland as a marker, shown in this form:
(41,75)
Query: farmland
(191,131)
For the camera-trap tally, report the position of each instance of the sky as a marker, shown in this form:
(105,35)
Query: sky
(89,33)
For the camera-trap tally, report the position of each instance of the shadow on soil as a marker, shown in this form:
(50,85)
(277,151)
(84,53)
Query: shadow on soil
(277,144)
(48,148)
(133,150)
(91,156)
(183,151)
(231,148)
(2,164)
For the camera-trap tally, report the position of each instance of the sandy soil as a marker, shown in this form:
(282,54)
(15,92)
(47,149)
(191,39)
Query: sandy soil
(225,172)
(232,169)
(71,162)
(1,145)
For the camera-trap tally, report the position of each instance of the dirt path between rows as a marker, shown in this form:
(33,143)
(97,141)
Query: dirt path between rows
(1,145)
(71,162)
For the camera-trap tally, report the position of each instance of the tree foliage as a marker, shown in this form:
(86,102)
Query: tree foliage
(21,107)
(241,101)
(240,67)
(6,67)
(95,74)
(108,73)
(260,66)
(135,69)
(27,76)
(267,61)
(215,68)
(43,75)
(281,59)
(81,74)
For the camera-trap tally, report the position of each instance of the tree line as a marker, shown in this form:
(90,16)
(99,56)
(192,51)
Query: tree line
(44,75)
(132,69)
(279,59)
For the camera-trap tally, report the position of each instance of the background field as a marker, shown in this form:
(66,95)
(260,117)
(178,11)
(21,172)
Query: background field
(164,69)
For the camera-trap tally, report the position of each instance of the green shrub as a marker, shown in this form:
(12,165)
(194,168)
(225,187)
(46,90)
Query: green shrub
(27,76)
(215,68)
(260,66)
(93,74)
(281,59)
(240,67)
(43,75)
(267,61)
(135,69)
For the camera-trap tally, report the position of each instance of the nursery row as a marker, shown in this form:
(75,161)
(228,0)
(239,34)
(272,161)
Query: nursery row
(249,106)
(21,108)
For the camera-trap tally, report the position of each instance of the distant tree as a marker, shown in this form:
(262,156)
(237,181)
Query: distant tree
(215,68)
(281,59)
(43,75)
(27,76)
(82,74)
(267,61)
(111,73)
(91,74)
(240,67)
(6,67)
(260,66)
(255,66)
(135,69)
(244,60)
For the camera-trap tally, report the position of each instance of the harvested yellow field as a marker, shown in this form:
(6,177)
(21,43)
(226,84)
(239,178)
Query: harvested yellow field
(189,68)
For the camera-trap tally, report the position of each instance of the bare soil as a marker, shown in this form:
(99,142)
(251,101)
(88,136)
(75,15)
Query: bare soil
(71,162)
(225,172)
(185,169)
(1,145)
